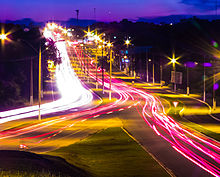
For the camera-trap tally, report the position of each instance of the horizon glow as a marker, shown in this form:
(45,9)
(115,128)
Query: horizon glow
(100,10)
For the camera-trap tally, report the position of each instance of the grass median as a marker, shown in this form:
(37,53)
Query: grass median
(211,130)
(111,152)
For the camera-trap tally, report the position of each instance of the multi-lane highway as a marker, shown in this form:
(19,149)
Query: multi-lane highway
(142,114)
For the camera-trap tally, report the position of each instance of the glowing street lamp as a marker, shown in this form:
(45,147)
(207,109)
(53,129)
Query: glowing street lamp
(127,42)
(89,33)
(174,61)
(3,36)
(109,44)
(65,31)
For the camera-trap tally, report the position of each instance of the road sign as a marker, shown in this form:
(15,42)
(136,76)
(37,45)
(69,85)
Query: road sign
(176,77)
(175,103)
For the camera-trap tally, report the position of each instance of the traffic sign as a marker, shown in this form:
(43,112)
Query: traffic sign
(176,77)
(175,103)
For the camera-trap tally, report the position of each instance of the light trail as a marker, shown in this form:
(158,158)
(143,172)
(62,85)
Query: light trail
(73,94)
(202,151)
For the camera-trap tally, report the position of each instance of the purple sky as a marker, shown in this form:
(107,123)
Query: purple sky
(41,10)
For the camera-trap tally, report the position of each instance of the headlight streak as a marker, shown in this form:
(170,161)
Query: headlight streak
(178,134)
(72,92)
(188,144)
(172,129)
(198,149)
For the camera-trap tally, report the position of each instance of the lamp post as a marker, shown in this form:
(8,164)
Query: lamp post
(96,58)
(103,86)
(39,85)
(87,66)
(153,72)
(31,72)
(39,78)
(161,75)
(109,45)
(31,84)
(148,60)
(214,99)
(174,61)
(187,80)
(127,43)
(204,78)
(174,69)
(110,82)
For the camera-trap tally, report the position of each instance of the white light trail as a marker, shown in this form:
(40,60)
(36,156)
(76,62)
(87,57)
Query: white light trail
(73,94)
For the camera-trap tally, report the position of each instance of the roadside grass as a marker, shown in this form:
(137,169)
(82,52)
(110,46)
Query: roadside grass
(27,164)
(175,113)
(202,130)
(26,174)
(111,152)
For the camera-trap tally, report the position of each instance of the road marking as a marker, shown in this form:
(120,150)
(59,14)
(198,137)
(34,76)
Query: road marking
(109,112)
(160,163)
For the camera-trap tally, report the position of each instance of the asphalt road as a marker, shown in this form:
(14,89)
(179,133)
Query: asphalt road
(143,116)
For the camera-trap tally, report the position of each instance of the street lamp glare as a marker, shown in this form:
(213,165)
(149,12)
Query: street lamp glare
(65,31)
(89,34)
(173,60)
(127,42)
(3,36)
(109,44)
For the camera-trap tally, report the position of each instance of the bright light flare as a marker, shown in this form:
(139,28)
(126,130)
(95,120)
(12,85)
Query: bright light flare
(52,26)
(3,36)
(127,42)
(173,60)
(109,44)
(73,94)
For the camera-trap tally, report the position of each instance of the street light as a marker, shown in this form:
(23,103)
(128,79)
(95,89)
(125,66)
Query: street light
(89,33)
(148,60)
(97,38)
(189,65)
(109,45)
(174,61)
(127,42)
(31,71)
(3,36)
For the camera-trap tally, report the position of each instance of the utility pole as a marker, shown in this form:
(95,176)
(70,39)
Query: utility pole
(31,83)
(204,93)
(161,75)
(39,84)
(175,78)
(96,64)
(110,82)
(147,66)
(153,72)
(87,66)
(95,13)
(83,56)
(77,16)
(103,82)
(187,78)
(214,100)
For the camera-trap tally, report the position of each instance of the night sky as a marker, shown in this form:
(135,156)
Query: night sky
(112,10)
